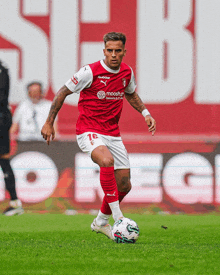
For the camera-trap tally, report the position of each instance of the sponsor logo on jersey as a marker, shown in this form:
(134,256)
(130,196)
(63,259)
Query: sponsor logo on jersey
(114,95)
(101,94)
(124,82)
(104,77)
(110,95)
(74,80)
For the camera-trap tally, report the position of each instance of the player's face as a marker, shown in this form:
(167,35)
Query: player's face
(34,93)
(114,52)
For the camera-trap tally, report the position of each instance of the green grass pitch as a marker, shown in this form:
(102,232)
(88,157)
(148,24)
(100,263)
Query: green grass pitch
(65,245)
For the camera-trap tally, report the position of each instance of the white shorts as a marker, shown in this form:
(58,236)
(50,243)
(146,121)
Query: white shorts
(89,141)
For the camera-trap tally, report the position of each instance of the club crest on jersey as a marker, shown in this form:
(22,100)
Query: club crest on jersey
(101,94)
(124,82)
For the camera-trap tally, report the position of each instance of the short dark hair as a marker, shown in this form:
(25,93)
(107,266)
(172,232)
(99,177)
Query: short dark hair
(114,36)
(35,83)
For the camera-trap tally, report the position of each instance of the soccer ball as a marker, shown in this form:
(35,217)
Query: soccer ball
(125,231)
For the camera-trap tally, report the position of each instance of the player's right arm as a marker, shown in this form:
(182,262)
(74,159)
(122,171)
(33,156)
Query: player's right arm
(82,79)
(48,129)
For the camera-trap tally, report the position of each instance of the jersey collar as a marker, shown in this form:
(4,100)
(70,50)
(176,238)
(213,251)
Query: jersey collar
(108,69)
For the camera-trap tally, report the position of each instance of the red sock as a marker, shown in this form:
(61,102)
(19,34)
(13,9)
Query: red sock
(108,183)
(105,209)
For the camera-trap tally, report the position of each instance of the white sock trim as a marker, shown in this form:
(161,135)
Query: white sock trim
(102,219)
(116,211)
(103,216)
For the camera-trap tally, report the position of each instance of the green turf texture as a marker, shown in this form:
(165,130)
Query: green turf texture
(60,244)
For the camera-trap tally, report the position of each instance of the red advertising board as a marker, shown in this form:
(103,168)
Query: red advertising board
(176,178)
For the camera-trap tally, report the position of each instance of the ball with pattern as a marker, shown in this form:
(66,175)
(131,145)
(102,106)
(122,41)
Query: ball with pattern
(125,230)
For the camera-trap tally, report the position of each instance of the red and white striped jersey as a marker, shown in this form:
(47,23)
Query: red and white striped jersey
(101,96)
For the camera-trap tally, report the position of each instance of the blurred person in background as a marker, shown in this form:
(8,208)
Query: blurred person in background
(102,87)
(29,116)
(15,205)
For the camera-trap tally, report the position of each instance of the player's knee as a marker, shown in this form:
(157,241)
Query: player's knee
(107,162)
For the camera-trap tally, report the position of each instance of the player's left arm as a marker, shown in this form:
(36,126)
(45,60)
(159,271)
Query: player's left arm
(136,102)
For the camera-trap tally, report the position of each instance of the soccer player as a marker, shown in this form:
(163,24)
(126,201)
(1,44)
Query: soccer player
(15,205)
(102,87)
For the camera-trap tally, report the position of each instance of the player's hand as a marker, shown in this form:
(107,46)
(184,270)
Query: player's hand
(151,123)
(48,132)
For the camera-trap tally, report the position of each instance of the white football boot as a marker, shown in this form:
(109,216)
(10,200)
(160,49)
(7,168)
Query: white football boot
(14,209)
(105,229)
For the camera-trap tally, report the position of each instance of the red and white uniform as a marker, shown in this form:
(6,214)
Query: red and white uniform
(101,97)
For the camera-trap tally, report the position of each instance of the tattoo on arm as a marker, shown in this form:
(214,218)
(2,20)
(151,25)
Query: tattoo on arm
(135,101)
(57,103)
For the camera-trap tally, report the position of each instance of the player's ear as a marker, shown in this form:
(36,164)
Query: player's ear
(104,52)
(125,52)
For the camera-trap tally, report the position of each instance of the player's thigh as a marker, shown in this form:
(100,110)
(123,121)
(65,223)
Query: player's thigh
(102,156)
(94,145)
(119,152)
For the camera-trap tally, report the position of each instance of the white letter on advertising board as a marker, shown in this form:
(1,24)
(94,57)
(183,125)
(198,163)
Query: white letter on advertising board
(64,44)
(208,53)
(32,46)
(188,179)
(153,31)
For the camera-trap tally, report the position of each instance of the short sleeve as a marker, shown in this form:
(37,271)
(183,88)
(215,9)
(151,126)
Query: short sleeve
(17,114)
(81,80)
(132,84)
